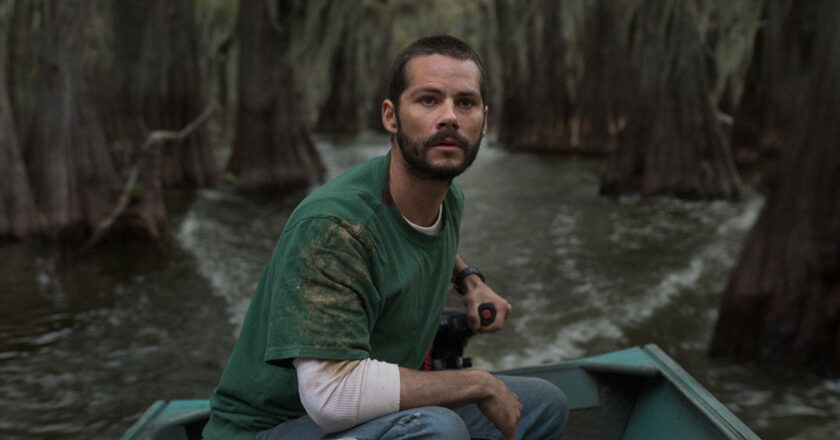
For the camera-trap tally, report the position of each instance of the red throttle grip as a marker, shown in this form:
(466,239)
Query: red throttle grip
(486,314)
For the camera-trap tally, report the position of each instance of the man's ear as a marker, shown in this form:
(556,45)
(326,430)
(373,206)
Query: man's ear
(484,128)
(389,116)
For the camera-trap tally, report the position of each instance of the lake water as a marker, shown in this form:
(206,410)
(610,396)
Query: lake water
(87,342)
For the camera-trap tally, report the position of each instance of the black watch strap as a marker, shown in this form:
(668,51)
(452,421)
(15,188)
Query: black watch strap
(463,274)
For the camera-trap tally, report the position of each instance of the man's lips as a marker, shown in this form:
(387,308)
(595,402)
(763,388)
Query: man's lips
(446,141)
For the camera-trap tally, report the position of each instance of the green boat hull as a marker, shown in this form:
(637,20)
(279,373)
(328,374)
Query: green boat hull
(634,394)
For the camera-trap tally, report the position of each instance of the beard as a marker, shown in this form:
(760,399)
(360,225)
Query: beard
(415,151)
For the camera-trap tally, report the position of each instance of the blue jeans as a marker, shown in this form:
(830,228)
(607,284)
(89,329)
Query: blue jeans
(544,415)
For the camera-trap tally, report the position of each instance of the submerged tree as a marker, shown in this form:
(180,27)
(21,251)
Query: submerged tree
(74,179)
(783,299)
(342,112)
(776,81)
(599,100)
(77,121)
(536,106)
(18,214)
(673,143)
(272,147)
(353,37)
(159,84)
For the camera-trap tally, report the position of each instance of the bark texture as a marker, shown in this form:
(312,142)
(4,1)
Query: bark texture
(343,111)
(783,299)
(600,102)
(77,115)
(536,107)
(776,81)
(73,176)
(160,86)
(18,214)
(673,144)
(272,147)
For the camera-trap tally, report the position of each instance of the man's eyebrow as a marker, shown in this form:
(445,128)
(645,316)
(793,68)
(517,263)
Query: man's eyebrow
(437,91)
(469,93)
(426,89)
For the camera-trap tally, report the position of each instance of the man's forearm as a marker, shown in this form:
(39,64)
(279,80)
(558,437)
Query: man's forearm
(469,281)
(448,388)
(455,388)
(460,265)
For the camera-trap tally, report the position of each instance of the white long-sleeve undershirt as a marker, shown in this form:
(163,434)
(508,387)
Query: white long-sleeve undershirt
(338,395)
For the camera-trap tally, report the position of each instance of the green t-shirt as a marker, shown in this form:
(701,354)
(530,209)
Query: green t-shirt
(349,279)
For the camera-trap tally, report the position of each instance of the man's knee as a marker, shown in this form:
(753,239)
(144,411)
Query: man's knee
(545,408)
(557,406)
(435,422)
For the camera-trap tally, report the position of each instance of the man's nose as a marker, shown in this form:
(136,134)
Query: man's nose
(448,118)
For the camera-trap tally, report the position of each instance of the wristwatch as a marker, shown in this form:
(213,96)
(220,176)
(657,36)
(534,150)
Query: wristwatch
(463,274)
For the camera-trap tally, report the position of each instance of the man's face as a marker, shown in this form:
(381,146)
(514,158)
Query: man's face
(441,117)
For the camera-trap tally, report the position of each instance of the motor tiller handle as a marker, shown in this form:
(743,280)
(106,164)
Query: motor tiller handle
(486,314)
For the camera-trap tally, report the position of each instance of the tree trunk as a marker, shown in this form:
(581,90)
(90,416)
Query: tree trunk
(73,177)
(783,300)
(599,105)
(343,112)
(729,31)
(776,80)
(272,148)
(673,144)
(18,215)
(25,57)
(535,103)
(158,80)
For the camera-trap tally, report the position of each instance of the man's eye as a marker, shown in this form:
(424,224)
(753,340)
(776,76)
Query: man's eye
(427,100)
(466,103)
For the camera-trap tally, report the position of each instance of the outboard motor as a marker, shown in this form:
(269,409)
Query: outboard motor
(447,351)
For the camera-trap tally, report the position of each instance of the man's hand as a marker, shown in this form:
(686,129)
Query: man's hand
(477,293)
(455,388)
(503,409)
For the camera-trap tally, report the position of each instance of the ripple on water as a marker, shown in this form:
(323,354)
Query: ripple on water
(231,243)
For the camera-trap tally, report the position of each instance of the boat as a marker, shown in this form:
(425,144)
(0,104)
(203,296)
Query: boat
(638,393)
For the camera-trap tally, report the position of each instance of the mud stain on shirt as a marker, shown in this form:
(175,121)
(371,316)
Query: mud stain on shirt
(334,267)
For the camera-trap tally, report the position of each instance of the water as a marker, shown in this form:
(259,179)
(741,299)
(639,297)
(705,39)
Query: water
(87,342)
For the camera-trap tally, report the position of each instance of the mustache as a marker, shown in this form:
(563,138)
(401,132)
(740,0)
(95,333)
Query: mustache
(442,135)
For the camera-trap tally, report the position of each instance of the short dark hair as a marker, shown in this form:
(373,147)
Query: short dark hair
(435,45)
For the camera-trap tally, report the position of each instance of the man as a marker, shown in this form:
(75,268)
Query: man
(349,304)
